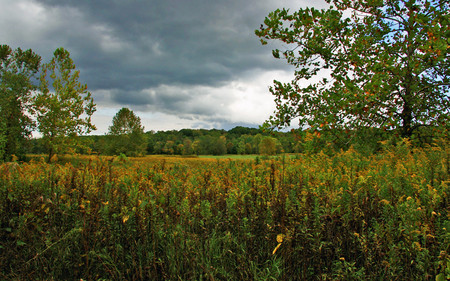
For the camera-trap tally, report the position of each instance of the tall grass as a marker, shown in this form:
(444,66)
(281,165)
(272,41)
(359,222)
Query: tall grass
(315,217)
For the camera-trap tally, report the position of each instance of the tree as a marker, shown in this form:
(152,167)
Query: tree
(127,134)
(220,147)
(256,141)
(169,147)
(187,147)
(65,112)
(197,147)
(17,74)
(385,66)
(268,146)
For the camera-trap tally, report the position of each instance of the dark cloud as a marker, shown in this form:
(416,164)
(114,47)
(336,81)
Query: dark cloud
(148,43)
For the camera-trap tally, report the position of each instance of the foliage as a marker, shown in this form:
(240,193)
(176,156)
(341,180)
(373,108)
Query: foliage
(63,111)
(212,142)
(125,122)
(126,135)
(3,138)
(187,147)
(347,216)
(17,73)
(382,64)
(268,146)
(213,145)
(207,142)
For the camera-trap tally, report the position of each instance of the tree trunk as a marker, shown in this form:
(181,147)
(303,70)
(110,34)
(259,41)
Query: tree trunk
(407,121)
(407,112)
(50,155)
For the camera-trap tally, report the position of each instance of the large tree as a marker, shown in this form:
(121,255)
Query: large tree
(363,63)
(127,134)
(17,82)
(64,109)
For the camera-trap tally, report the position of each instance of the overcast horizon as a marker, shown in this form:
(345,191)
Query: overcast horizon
(176,64)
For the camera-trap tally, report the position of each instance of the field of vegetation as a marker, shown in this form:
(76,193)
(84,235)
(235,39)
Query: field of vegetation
(309,217)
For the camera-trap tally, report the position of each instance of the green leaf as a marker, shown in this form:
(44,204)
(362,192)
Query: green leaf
(276,54)
(20,243)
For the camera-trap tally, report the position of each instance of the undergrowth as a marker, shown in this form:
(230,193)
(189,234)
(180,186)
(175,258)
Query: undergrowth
(312,217)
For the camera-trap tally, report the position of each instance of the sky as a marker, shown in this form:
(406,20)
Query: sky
(176,63)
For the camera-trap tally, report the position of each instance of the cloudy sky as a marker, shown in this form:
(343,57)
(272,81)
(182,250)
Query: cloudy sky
(175,63)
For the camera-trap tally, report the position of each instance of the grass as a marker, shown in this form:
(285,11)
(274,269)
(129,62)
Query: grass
(232,156)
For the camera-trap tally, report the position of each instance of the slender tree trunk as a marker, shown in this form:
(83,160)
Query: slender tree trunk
(407,121)
(407,112)
(406,115)
(51,150)
(51,153)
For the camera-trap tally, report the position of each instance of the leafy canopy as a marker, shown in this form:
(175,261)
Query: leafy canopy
(63,111)
(17,82)
(127,134)
(363,63)
(125,122)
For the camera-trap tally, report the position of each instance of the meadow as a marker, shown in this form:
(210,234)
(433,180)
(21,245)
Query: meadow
(345,216)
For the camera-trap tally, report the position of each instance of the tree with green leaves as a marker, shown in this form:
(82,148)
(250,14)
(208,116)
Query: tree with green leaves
(127,134)
(17,82)
(363,63)
(268,146)
(64,107)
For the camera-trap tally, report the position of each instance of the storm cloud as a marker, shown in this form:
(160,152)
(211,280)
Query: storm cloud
(189,63)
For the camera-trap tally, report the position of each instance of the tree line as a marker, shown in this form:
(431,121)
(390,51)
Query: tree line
(237,141)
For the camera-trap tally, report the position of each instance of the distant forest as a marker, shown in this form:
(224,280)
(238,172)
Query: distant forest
(244,140)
